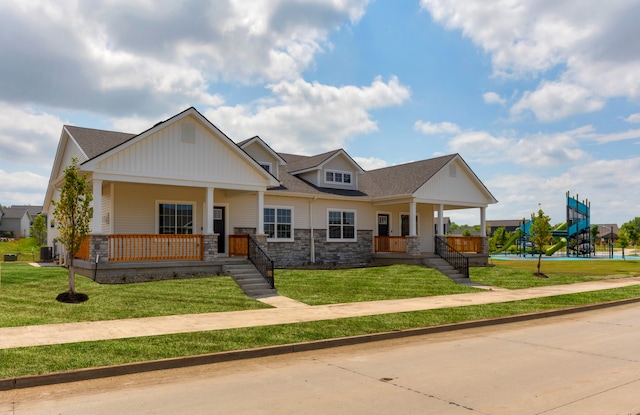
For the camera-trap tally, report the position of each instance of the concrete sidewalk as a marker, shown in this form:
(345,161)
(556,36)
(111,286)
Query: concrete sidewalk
(285,311)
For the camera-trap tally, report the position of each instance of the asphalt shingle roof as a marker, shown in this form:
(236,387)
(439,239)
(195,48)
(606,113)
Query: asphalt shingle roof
(95,142)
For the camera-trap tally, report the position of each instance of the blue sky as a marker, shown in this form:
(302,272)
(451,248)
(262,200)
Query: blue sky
(539,97)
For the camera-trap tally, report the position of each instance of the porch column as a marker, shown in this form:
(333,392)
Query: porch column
(440,220)
(96,221)
(412,219)
(208,212)
(260,227)
(483,230)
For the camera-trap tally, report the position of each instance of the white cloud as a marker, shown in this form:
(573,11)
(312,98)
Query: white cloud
(22,188)
(436,128)
(27,137)
(528,152)
(581,57)
(609,188)
(493,98)
(133,57)
(633,118)
(309,117)
(370,163)
(556,100)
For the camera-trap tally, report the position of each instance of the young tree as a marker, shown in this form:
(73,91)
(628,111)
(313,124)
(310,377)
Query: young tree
(39,230)
(623,240)
(540,234)
(73,214)
(633,231)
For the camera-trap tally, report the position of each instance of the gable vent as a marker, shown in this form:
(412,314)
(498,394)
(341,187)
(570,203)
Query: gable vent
(188,132)
(452,170)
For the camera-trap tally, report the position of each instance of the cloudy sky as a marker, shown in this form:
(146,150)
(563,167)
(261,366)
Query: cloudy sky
(539,97)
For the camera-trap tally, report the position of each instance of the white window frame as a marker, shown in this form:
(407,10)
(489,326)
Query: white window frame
(176,202)
(341,173)
(268,164)
(355,225)
(275,238)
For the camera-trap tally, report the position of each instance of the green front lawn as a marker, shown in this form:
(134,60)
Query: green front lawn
(27,296)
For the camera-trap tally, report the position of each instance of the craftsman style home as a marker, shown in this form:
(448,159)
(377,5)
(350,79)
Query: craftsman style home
(181,197)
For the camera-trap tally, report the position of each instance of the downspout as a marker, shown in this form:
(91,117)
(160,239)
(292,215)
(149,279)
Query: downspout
(311,242)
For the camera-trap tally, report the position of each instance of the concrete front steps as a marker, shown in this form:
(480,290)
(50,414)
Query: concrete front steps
(444,267)
(245,274)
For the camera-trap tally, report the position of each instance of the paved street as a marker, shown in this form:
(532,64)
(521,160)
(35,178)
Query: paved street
(585,363)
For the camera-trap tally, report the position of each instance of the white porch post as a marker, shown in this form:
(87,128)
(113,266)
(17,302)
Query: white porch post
(208,212)
(96,221)
(260,227)
(440,220)
(412,219)
(483,222)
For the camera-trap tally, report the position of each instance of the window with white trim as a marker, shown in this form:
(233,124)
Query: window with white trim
(341,225)
(175,218)
(278,223)
(334,176)
(265,165)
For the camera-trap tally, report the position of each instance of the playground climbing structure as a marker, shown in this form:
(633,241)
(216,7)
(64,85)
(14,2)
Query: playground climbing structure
(574,234)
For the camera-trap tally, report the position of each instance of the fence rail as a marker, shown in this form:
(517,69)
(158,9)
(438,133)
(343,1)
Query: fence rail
(238,245)
(395,244)
(155,247)
(468,244)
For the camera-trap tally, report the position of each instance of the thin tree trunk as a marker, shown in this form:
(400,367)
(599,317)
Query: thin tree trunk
(72,276)
(539,259)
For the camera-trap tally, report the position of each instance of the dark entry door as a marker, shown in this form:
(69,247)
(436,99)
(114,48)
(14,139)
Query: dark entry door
(383,224)
(218,227)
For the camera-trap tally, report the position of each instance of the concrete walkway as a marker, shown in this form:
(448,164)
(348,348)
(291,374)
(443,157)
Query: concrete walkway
(286,311)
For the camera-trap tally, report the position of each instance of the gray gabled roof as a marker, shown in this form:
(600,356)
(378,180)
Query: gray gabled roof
(402,179)
(13,213)
(95,142)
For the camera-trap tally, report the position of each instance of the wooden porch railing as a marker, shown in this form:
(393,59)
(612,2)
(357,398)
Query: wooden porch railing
(395,244)
(238,245)
(83,252)
(155,247)
(466,244)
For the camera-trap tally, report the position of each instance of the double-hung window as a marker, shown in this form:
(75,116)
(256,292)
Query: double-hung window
(341,225)
(175,218)
(278,223)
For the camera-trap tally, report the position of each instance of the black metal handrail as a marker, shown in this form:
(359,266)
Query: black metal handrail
(453,257)
(261,261)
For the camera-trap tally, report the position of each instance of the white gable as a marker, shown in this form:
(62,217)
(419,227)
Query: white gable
(455,185)
(184,151)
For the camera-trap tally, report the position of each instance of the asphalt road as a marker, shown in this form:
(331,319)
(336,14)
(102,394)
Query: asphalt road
(585,363)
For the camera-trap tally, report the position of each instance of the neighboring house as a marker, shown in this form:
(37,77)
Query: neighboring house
(446,226)
(15,220)
(607,232)
(510,225)
(183,183)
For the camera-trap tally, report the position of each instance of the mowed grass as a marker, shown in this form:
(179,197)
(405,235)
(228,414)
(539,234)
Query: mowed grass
(335,286)
(28,297)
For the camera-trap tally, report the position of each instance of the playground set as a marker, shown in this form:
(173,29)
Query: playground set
(574,234)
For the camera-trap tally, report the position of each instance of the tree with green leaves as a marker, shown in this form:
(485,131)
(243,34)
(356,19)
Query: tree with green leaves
(540,234)
(623,240)
(73,214)
(632,229)
(39,230)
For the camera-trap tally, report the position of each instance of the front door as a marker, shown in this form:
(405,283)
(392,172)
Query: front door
(383,224)
(218,227)
(382,242)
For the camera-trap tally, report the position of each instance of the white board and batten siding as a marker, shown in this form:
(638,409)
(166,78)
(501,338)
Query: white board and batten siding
(183,151)
(452,185)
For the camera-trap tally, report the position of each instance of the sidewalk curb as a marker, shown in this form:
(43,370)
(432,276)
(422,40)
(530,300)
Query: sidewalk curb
(179,362)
